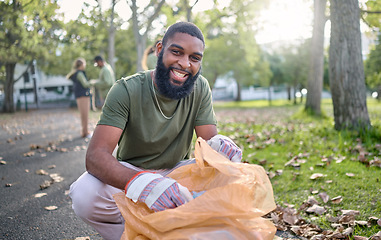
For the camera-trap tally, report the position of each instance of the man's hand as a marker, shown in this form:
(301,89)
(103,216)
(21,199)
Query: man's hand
(226,147)
(157,192)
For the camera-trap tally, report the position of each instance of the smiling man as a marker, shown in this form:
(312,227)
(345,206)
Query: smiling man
(151,116)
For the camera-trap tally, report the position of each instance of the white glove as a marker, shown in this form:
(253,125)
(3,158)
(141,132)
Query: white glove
(157,192)
(226,147)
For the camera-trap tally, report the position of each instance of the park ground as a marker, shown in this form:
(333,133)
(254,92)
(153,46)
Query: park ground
(42,153)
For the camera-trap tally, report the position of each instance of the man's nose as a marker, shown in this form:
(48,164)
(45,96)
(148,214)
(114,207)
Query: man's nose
(184,62)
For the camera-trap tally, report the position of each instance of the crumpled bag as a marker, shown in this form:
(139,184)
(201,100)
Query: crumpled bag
(236,197)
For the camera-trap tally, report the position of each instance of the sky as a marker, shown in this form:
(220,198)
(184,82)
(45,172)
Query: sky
(283,20)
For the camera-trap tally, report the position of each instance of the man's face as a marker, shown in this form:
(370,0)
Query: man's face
(178,65)
(98,64)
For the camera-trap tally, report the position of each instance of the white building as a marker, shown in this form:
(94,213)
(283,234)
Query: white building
(48,88)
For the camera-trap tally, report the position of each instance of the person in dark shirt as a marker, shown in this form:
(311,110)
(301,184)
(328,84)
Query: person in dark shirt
(81,88)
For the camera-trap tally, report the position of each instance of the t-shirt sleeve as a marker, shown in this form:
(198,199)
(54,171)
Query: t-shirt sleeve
(206,115)
(82,79)
(116,108)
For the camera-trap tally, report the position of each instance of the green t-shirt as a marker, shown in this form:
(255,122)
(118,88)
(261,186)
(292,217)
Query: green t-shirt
(149,140)
(106,80)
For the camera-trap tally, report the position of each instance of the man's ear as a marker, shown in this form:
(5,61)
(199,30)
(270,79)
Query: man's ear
(159,47)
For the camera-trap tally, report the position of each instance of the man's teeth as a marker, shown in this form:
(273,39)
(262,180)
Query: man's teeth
(179,74)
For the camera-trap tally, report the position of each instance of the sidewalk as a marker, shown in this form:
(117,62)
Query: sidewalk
(48,140)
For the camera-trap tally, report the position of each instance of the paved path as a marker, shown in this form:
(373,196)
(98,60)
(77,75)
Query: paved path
(61,150)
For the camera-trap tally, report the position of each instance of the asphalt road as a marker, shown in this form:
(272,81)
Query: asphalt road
(30,141)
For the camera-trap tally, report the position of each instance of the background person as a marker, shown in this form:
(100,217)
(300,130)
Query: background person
(151,115)
(149,57)
(81,88)
(106,78)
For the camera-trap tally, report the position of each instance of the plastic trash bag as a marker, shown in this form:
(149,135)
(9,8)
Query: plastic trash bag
(236,197)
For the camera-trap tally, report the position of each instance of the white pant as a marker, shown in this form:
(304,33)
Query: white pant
(94,204)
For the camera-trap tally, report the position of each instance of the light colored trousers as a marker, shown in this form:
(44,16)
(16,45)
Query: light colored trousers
(93,202)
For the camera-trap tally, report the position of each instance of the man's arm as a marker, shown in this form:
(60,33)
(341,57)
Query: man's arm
(206,132)
(99,160)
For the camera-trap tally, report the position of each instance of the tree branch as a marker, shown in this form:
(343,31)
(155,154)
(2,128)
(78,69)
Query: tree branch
(371,12)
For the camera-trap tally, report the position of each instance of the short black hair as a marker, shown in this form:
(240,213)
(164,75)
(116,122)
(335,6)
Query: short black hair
(98,58)
(183,27)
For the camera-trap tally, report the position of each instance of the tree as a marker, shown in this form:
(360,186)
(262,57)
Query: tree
(231,46)
(346,67)
(27,32)
(295,66)
(316,67)
(142,25)
(373,68)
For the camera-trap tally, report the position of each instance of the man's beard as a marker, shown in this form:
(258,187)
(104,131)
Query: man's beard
(166,88)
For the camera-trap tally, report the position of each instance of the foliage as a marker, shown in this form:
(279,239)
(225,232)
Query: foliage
(87,37)
(292,146)
(373,68)
(371,13)
(230,43)
(28,30)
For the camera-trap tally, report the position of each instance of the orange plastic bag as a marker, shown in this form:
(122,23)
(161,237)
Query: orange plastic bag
(236,197)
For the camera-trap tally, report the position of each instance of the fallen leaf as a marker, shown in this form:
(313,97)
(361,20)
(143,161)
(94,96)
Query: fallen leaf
(41,172)
(324,197)
(379,222)
(348,231)
(51,208)
(29,154)
(316,209)
(350,174)
(45,185)
(2,162)
(38,195)
(316,176)
(351,212)
(52,166)
(8,185)
(359,238)
(361,223)
(56,177)
(86,238)
(337,200)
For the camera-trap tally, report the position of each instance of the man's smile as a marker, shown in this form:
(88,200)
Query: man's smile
(178,77)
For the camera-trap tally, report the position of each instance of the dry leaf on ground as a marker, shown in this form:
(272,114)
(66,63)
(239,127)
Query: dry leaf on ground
(51,208)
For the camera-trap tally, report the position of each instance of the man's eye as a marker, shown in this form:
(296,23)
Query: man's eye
(196,59)
(175,52)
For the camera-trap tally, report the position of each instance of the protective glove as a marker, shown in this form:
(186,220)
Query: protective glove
(157,192)
(226,147)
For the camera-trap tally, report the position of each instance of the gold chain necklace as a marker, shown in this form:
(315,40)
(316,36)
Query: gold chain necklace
(157,102)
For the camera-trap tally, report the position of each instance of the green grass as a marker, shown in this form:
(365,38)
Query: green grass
(287,132)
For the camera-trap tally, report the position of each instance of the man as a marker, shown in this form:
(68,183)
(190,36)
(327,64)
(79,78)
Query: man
(151,116)
(106,78)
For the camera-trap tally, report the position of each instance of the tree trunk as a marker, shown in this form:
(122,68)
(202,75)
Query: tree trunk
(8,106)
(316,71)
(141,39)
(238,99)
(346,68)
(111,37)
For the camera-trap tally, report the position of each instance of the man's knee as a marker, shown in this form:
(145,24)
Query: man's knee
(84,194)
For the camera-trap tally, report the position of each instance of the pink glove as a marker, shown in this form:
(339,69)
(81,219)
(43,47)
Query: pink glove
(157,192)
(226,147)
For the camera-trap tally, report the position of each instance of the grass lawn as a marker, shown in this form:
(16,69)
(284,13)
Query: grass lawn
(292,146)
